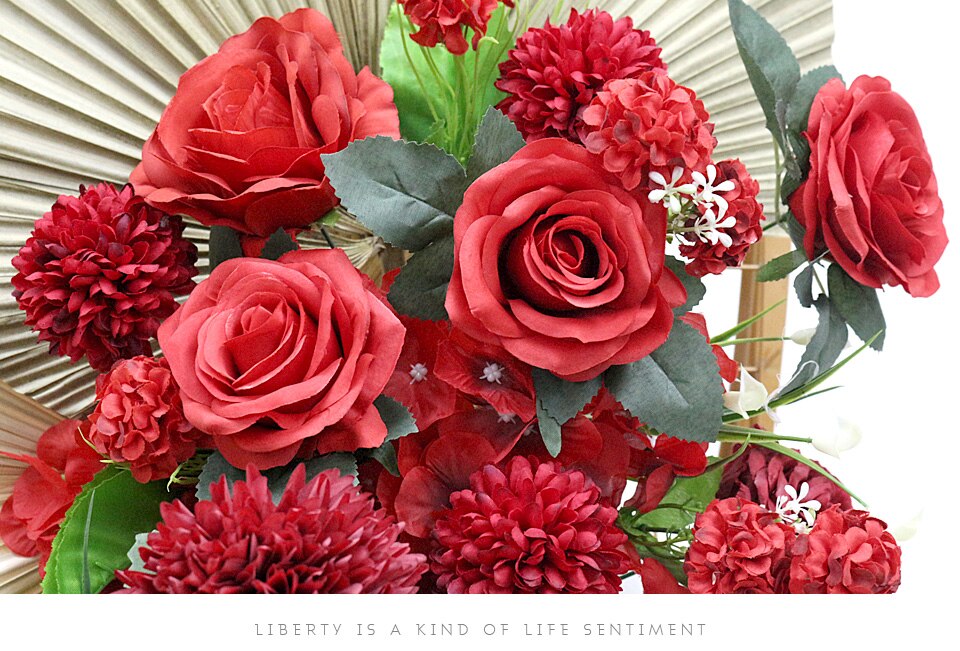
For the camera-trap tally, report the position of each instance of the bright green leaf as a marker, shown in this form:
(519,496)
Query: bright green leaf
(420,289)
(122,509)
(557,402)
(405,192)
(687,497)
(781,266)
(676,389)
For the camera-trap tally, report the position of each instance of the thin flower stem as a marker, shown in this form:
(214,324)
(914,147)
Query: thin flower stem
(751,340)
(416,73)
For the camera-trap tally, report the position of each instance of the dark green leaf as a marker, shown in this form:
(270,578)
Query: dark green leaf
(278,244)
(386,455)
(421,287)
(857,304)
(497,140)
(277,478)
(803,284)
(693,494)
(694,286)
(122,509)
(557,402)
(676,389)
(824,348)
(798,112)
(405,192)
(224,245)
(396,417)
(781,267)
(771,65)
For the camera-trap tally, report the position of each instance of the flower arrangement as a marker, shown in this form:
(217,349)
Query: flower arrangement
(529,403)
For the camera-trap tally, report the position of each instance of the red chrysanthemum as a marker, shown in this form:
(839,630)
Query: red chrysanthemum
(846,552)
(324,536)
(647,124)
(738,547)
(31,516)
(731,248)
(100,273)
(760,475)
(139,419)
(530,528)
(555,71)
(445,20)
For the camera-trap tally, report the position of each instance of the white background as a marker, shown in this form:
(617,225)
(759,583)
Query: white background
(904,399)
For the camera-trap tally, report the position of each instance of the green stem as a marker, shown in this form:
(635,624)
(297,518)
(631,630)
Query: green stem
(416,73)
(777,181)
(751,340)
(743,325)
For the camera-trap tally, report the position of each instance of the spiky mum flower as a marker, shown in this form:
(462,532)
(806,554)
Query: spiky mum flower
(530,528)
(324,536)
(100,272)
(139,419)
(847,552)
(736,229)
(555,71)
(445,21)
(647,124)
(738,547)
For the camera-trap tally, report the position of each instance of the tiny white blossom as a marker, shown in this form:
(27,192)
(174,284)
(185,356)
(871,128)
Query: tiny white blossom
(492,372)
(418,372)
(669,193)
(507,417)
(707,191)
(795,510)
(802,337)
(751,396)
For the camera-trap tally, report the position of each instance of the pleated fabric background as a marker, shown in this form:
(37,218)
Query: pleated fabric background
(83,83)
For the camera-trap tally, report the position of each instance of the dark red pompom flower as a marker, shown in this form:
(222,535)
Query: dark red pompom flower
(100,272)
(555,71)
(738,547)
(31,516)
(139,419)
(324,536)
(445,20)
(730,248)
(647,124)
(846,552)
(530,528)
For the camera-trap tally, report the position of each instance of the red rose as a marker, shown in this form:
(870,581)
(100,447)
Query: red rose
(239,144)
(558,264)
(871,197)
(273,358)
(847,552)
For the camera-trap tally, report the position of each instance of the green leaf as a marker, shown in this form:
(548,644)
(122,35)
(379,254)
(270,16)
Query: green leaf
(224,245)
(676,389)
(497,140)
(421,287)
(386,455)
(278,244)
(857,304)
(136,561)
(396,417)
(694,286)
(803,285)
(824,348)
(771,66)
(277,478)
(122,509)
(405,192)
(780,267)
(798,112)
(693,494)
(557,402)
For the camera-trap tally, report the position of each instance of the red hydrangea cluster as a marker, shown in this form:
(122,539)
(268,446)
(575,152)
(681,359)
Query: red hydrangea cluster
(555,71)
(31,516)
(760,475)
(742,205)
(100,272)
(445,20)
(139,419)
(324,536)
(529,528)
(739,546)
(647,124)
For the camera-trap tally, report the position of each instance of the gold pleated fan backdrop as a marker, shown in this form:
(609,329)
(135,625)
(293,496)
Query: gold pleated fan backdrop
(83,83)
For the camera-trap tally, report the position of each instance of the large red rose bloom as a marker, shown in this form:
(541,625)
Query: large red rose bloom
(100,272)
(566,276)
(529,528)
(239,144)
(279,357)
(555,71)
(871,197)
(846,552)
(324,536)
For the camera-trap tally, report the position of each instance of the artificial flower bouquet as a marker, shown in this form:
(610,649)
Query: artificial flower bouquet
(529,402)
